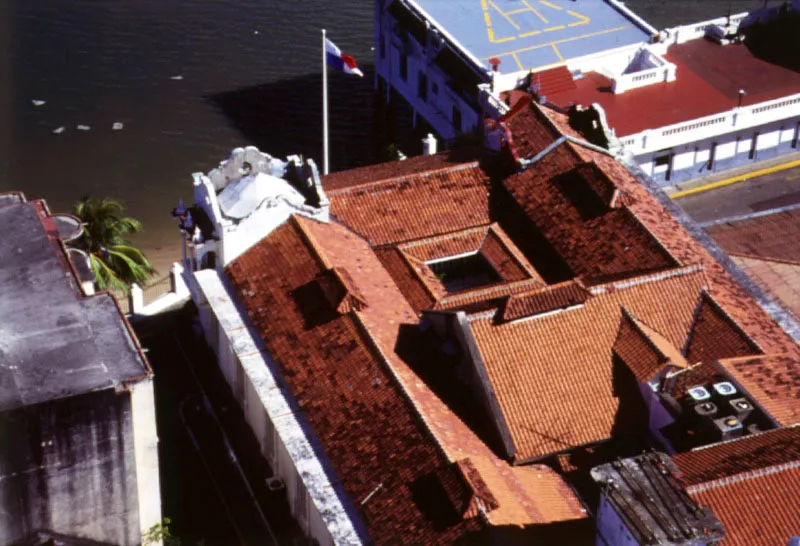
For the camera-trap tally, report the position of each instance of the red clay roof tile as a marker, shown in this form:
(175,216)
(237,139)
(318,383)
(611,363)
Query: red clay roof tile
(553,375)
(753,452)
(772,380)
(759,510)
(772,237)
(415,206)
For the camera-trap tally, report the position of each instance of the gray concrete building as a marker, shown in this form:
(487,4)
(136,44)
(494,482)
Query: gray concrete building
(78,441)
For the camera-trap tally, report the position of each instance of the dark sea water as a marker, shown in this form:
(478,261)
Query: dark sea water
(250,73)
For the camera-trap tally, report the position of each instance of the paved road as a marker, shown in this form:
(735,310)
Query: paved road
(770,191)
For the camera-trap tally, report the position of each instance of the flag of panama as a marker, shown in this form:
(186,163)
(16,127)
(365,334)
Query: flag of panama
(338,60)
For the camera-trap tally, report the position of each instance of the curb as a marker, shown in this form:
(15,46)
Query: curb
(735,179)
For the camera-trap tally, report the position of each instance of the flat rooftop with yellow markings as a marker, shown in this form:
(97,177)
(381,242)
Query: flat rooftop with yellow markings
(528,34)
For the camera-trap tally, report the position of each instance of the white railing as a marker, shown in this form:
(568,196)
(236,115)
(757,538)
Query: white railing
(490,103)
(736,119)
(687,33)
(643,78)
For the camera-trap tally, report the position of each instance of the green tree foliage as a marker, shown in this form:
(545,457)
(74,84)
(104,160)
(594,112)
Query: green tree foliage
(115,263)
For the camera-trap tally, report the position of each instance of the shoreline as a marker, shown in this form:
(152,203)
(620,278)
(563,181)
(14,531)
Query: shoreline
(161,248)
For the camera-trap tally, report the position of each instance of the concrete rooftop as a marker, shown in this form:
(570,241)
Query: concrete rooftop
(54,342)
(527,34)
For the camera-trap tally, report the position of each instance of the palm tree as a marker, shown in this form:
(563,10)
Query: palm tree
(115,263)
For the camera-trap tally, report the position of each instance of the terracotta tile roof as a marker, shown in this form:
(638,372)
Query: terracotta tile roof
(544,300)
(773,380)
(758,510)
(672,236)
(553,80)
(772,236)
(505,258)
(553,375)
(781,280)
(352,388)
(414,279)
(702,88)
(443,246)
(415,206)
(598,242)
(753,452)
(397,169)
(328,362)
(645,351)
(485,298)
(716,336)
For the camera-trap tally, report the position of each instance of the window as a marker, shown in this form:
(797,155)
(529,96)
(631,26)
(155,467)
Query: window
(422,86)
(464,272)
(796,138)
(434,88)
(403,66)
(382,48)
(712,155)
(662,160)
(457,118)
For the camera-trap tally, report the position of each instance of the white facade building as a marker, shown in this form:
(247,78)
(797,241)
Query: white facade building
(439,61)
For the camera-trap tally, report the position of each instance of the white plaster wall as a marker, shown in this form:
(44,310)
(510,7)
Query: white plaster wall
(145,441)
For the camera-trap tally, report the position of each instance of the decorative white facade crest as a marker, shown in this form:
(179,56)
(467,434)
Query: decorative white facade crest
(249,195)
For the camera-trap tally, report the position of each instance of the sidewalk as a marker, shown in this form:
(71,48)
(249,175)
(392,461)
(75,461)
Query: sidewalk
(732,176)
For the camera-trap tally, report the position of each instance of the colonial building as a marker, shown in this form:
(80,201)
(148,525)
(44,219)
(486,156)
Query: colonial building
(440,349)
(685,102)
(79,450)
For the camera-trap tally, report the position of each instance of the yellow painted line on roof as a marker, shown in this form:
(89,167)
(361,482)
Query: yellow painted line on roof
(487,18)
(548,4)
(484,6)
(519,64)
(534,10)
(555,48)
(559,27)
(531,33)
(583,18)
(517,11)
(735,179)
(504,14)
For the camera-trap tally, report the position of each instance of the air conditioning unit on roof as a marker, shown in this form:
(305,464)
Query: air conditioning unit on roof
(275,484)
(725,388)
(729,427)
(706,409)
(699,393)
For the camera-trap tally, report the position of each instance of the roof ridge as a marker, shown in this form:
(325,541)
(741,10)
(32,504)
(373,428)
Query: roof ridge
(742,476)
(311,241)
(648,332)
(438,238)
(374,345)
(741,439)
(407,260)
(645,279)
(737,359)
(486,291)
(403,178)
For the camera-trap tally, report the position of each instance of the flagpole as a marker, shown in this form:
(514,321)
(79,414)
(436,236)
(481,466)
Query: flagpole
(324,107)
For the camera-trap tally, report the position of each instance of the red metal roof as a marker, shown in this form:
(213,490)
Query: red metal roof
(709,77)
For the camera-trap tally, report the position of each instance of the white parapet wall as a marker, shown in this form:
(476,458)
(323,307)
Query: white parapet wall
(145,441)
(736,119)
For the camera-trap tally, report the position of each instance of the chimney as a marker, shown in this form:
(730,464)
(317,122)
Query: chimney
(429,145)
